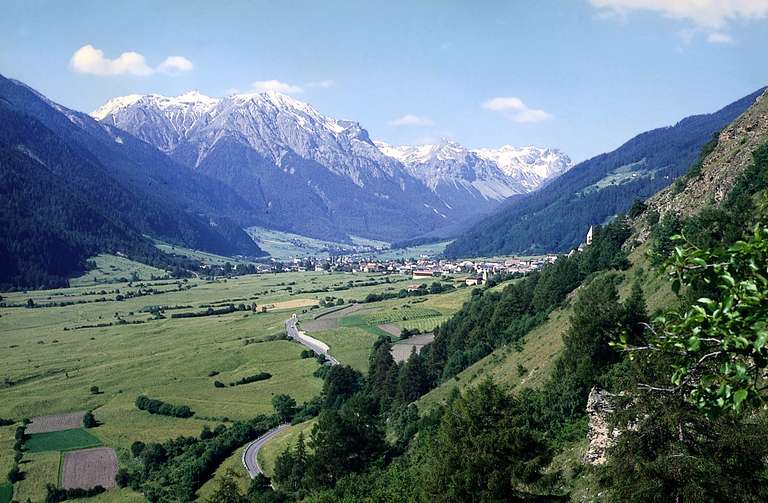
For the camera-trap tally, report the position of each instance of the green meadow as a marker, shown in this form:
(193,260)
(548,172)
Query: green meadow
(79,337)
(66,440)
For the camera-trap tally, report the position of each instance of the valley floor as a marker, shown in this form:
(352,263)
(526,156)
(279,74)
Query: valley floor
(76,338)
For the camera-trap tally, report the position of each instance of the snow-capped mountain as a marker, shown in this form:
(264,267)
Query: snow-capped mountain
(314,174)
(323,176)
(531,166)
(461,176)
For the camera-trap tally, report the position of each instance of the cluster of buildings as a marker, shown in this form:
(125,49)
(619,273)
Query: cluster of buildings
(422,269)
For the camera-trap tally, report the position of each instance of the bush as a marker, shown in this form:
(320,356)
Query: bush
(6,422)
(15,475)
(154,406)
(95,390)
(261,376)
(55,494)
(122,478)
(219,384)
(89,421)
(137,448)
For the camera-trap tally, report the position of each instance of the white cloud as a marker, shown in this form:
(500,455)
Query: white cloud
(710,16)
(718,37)
(89,59)
(412,120)
(514,109)
(322,83)
(275,85)
(175,64)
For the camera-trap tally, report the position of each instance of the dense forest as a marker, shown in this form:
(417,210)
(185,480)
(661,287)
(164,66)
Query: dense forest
(556,217)
(686,383)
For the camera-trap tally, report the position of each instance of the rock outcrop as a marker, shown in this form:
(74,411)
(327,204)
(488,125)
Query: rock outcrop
(601,434)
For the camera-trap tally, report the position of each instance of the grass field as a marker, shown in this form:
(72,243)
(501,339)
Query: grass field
(285,245)
(6,492)
(111,268)
(6,449)
(427,250)
(350,345)
(397,314)
(233,463)
(423,324)
(66,440)
(40,468)
(49,364)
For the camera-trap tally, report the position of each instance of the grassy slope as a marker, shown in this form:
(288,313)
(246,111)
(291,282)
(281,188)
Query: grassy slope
(268,454)
(6,449)
(39,469)
(542,345)
(110,268)
(233,463)
(284,245)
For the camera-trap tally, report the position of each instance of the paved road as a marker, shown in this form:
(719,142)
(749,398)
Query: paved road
(250,461)
(251,452)
(310,342)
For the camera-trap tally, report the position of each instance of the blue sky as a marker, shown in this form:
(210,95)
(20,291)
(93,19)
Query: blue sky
(580,75)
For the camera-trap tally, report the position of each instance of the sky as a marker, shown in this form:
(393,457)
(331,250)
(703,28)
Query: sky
(583,76)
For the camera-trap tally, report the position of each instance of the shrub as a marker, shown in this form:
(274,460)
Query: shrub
(122,478)
(89,421)
(154,406)
(15,475)
(261,376)
(219,384)
(94,390)
(55,494)
(137,448)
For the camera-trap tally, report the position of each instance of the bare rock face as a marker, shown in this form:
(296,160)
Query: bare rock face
(601,434)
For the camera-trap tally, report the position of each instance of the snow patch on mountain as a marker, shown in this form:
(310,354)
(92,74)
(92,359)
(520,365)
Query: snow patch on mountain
(495,173)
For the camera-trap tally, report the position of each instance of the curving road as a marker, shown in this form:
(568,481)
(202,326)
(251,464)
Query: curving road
(251,452)
(317,346)
(250,461)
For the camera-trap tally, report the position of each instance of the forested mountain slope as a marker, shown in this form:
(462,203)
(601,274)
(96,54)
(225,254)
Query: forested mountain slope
(68,194)
(556,217)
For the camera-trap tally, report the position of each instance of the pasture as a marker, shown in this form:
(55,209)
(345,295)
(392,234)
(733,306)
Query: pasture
(6,492)
(61,441)
(80,337)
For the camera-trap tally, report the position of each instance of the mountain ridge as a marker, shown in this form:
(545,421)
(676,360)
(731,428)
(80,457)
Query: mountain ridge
(557,217)
(262,143)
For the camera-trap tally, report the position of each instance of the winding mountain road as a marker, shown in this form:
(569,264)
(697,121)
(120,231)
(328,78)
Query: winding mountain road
(317,346)
(250,461)
(251,452)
